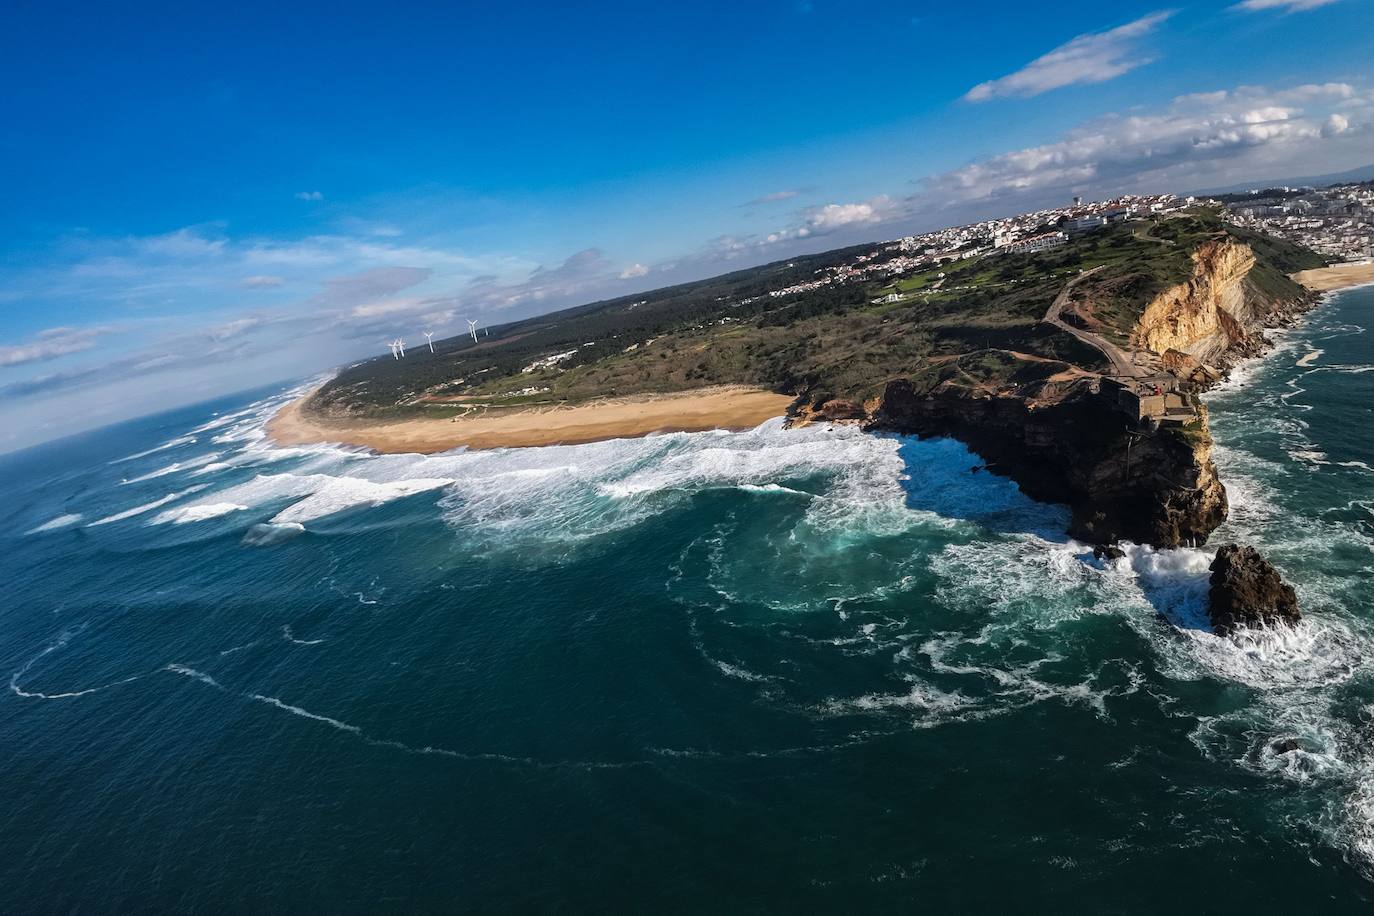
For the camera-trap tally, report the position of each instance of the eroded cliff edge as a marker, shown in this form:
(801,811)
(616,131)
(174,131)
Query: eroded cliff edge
(1106,443)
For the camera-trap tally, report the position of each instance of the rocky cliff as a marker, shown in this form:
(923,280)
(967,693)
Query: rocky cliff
(1208,314)
(1218,315)
(1066,443)
(1121,483)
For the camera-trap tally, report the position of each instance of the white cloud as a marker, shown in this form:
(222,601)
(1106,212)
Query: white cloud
(309,195)
(261,281)
(1197,139)
(834,216)
(1336,124)
(633,271)
(51,344)
(1288,6)
(1092,58)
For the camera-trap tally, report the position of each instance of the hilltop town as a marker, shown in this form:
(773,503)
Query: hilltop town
(1337,222)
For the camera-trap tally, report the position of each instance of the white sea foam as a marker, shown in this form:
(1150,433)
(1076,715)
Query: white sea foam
(313,496)
(56,645)
(306,714)
(61,521)
(146,507)
(193,673)
(197,513)
(180,440)
(291,638)
(265,534)
(173,468)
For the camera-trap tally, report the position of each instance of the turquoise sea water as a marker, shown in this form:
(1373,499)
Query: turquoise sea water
(750,672)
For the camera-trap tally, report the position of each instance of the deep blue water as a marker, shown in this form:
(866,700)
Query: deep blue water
(750,672)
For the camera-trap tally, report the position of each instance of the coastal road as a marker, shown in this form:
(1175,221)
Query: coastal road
(1121,361)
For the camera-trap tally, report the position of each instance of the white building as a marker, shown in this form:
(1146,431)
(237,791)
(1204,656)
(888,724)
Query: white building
(1034,243)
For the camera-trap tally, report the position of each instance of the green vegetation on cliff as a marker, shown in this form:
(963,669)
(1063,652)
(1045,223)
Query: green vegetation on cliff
(976,320)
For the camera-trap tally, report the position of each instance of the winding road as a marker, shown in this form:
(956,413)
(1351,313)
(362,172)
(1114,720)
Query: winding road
(1122,364)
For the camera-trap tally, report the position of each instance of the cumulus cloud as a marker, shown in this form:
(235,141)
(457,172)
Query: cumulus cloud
(1091,58)
(1288,6)
(309,195)
(51,344)
(633,271)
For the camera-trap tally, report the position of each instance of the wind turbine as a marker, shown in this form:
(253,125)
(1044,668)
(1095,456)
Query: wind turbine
(429,339)
(401,345)
(472,329)
(394,354)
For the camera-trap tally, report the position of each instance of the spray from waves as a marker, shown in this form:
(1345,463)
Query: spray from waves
(61,521)
(146,507)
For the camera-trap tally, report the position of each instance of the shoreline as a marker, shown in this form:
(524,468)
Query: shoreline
(1336,277)
(732,407)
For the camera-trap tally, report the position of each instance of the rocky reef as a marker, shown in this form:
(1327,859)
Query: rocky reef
(1246,591)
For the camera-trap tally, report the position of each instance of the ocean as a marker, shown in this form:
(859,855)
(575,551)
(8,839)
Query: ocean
(763,671)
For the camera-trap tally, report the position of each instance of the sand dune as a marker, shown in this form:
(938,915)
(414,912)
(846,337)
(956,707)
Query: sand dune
(732,407)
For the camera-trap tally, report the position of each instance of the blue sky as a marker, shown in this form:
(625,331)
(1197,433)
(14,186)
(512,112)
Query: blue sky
(199,199)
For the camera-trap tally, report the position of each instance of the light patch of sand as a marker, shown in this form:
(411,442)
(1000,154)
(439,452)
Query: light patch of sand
(1339,276)
(727,407)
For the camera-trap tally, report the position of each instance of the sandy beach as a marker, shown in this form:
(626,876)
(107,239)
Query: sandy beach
(732,407)
(1339,276)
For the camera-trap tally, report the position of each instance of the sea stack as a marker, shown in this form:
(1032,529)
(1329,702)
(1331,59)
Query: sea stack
(1247,591)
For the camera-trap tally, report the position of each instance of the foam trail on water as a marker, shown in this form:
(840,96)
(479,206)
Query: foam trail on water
(59,643)
(306,714)
(193,673)
(291,637)
(62,521)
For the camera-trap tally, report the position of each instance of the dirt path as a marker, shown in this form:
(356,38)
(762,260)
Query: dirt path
(1121,361)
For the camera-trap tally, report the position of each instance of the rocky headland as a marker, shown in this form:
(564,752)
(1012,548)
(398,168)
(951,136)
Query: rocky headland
(1127,472)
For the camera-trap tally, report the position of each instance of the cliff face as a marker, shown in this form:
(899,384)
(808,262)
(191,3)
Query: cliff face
(1120,483)
(1210,313)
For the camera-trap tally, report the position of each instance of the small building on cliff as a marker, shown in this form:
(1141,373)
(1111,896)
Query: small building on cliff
(1151,398)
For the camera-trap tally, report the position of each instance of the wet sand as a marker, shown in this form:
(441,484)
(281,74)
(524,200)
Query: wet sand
(732,407)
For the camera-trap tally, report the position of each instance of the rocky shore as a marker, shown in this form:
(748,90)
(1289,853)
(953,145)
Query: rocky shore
(1063,441)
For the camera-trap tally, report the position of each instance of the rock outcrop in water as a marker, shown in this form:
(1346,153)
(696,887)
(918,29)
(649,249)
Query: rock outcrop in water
(1247,591)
